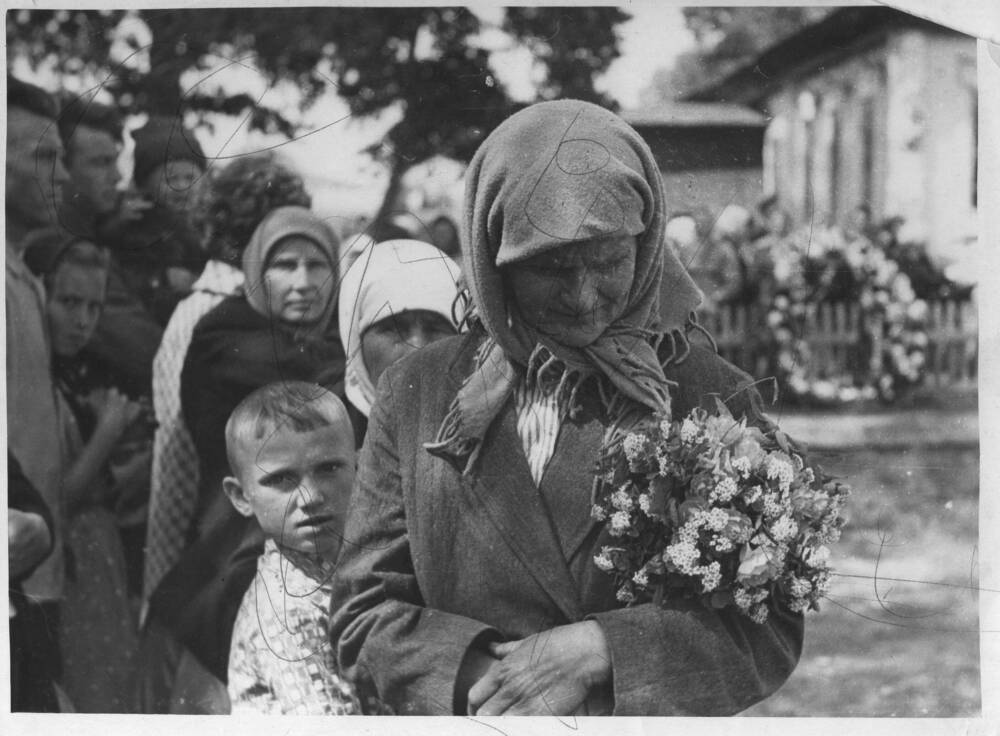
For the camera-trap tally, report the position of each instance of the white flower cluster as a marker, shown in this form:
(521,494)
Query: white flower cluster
(816,556)
(725,491)
(603,560)
(780,470)
(716,519)
(645,500)
(685,555)
(746,598)
(721,543)
(800,587)
(633,444)
(772,505)
(711,576)
(689,431)
(743,466)
(665,427)
(784,529)
(641,578)
(621,499)
(759,613)
(598,513)
(664,463)
(822,584)
(620,522)
(624,595)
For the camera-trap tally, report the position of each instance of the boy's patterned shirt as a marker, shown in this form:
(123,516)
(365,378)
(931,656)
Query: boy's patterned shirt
(281,660)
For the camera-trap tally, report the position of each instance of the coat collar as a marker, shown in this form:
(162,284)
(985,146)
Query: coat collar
(503,487)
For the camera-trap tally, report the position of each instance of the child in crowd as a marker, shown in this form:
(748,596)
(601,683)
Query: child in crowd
(291,452)
(104,463)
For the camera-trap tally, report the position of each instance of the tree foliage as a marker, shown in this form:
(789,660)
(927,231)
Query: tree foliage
(422,59)
(575,45)
(726,39)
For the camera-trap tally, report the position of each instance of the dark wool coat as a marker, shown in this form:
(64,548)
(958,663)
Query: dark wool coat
(433,563)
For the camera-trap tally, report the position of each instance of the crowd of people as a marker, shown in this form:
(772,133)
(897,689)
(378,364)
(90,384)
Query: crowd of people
(258,467)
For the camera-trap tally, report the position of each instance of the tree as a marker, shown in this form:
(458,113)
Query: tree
(575,45)
(422,59)
(726,39)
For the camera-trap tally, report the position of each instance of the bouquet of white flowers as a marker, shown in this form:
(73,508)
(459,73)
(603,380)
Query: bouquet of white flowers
(713,508)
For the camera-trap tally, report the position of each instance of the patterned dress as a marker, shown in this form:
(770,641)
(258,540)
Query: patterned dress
(97,631)
(281,660)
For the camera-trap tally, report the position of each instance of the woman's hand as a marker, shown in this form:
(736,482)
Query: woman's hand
(130,482)
(28,540)
(550,673)
(115,412)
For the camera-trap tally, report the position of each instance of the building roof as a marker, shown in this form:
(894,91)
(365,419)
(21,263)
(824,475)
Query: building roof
(695,115)
(835,36)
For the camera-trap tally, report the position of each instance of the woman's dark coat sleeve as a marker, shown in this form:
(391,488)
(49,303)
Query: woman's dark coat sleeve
(681,660)
(379,615)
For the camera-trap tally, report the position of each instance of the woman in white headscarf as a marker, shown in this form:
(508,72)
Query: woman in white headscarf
(396,297)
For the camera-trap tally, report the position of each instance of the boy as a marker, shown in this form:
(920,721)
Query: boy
(291,451)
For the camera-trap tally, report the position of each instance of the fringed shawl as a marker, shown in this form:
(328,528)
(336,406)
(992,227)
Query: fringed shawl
(555,174)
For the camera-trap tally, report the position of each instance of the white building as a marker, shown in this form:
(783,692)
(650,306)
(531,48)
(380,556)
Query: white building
(869,106)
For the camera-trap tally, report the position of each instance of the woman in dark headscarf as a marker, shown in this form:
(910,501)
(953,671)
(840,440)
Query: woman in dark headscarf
(282,328)
(467,581)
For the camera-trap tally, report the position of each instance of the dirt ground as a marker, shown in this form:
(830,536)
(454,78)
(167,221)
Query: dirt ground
(899,634)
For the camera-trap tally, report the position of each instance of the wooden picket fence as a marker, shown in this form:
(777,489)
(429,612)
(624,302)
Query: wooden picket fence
(832,332)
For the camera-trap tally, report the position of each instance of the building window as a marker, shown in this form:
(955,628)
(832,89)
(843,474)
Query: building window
(868,150)
(834,181)
(808,103)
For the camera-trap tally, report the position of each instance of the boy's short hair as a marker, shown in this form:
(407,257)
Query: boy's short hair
(295,405)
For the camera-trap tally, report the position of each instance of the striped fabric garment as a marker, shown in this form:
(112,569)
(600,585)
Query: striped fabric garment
(539,418)
(174,484)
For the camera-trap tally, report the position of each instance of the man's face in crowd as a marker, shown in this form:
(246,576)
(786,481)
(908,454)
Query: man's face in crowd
(35,170)
(93,169)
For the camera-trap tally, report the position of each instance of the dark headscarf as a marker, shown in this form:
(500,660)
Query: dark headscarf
(555,174)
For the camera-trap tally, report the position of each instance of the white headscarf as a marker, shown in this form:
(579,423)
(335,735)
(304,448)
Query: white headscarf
(389,278)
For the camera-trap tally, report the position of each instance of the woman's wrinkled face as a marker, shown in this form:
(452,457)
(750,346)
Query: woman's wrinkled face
(398,335)
(574,292)
(298,281)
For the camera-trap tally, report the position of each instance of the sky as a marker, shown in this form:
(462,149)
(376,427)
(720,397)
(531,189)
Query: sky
(344,180)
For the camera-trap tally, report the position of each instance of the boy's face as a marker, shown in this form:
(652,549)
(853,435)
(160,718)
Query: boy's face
(297,485)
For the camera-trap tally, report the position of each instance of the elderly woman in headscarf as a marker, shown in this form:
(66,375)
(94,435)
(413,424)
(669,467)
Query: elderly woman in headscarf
(467,582)
(397,297)
(282,327)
